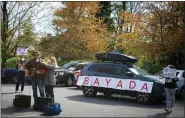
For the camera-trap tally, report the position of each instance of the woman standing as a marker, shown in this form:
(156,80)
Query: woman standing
(49,78)
(170,89)
(20,74)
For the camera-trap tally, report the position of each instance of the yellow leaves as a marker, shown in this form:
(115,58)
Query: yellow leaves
(79,18)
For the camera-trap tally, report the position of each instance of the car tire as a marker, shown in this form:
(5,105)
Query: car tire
(14,79)
(78,87)
(143,98)
(89,91)
(69,81)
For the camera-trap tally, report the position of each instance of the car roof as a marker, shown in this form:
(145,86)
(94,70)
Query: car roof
(129,65)
(85,62)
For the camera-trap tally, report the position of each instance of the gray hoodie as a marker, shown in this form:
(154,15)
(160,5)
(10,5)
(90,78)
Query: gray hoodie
(49,77)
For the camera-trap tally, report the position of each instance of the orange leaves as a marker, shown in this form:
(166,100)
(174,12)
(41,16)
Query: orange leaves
(81,23)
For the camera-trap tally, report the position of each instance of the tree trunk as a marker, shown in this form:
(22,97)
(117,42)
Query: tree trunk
(4,27)
(3,63)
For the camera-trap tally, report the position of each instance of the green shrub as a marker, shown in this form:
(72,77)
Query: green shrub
(11,63)
(140,62)
(155,68)
(62,62)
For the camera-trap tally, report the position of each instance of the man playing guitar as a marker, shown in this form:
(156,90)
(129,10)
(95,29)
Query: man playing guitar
(36,73)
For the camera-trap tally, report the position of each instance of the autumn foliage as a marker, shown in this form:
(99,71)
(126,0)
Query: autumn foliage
(156,32)
(84,33)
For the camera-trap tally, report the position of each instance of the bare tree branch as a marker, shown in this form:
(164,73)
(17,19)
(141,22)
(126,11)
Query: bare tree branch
(12,8)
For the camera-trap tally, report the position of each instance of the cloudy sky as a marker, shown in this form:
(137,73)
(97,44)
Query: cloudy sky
(44,26)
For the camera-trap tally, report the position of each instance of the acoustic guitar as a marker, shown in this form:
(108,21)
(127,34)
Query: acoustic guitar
(35,71)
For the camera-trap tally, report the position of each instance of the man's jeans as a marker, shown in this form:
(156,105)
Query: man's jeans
(38,81)
(170,97)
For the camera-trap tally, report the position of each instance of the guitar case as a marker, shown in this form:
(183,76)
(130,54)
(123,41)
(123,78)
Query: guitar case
(22,101)
(41,102)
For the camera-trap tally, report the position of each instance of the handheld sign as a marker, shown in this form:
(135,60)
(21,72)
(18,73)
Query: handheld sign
(169,72)
(22,51)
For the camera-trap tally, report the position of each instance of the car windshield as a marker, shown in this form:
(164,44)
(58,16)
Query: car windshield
(160,73)
(70,65)
(138,71)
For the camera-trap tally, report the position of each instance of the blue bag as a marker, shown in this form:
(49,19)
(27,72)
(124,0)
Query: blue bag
(52,109)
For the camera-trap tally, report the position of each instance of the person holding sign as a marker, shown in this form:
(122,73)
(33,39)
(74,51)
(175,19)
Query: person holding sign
(170,86)
(20,74)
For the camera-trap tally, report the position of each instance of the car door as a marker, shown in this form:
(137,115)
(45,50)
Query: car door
(122,72)
(101,70)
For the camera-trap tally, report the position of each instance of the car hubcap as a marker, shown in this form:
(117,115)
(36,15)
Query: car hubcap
(88,91)
(69,81)
(143,97)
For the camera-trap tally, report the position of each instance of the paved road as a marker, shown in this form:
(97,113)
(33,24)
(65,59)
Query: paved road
(74,104)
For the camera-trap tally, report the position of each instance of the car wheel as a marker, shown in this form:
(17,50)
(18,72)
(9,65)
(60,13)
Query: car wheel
(143,98)
(78,87)
(69,81)
(14,79)
(89,91)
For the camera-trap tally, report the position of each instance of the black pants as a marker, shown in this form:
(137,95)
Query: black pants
(20,79)
(49,91)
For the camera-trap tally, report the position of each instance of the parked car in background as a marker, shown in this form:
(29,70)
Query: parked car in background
(121,70)
(180,84)
(8,75)
(66,74)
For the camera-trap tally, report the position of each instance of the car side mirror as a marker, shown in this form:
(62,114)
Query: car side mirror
(77,71)
(129,74)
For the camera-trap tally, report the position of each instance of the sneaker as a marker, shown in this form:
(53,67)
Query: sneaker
(16,91)
(166,109)
(21,91)
(170,110)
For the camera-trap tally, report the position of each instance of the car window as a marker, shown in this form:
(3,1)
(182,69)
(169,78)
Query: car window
(69,65)
(119,70)
(177,73)
(160,73)
(183,74)
(103,68)
(80,67)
